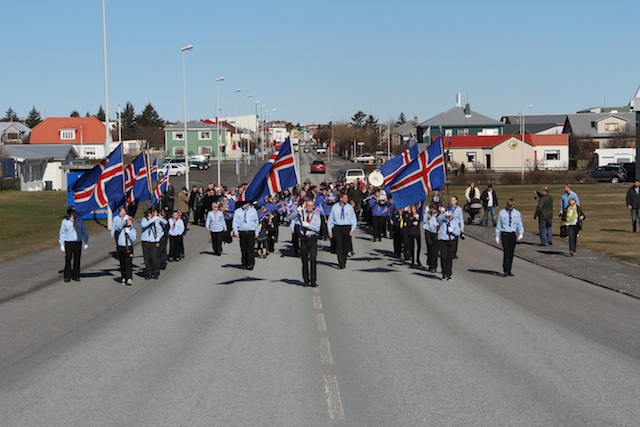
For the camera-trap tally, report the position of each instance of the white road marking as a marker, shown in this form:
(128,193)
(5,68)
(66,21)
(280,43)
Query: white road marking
(317,304)
(334,403)
(322,325)
(325,352)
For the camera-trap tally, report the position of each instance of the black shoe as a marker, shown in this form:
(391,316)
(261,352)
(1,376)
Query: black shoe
(169,259)
(510,274)
(250,267)
(313,285)
(550,243)
(76,279)
(67,280)
(503,275)
(163,267)
(419,263)
(147,277)
(155,276)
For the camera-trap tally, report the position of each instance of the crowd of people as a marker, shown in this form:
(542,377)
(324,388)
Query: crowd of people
(325,216)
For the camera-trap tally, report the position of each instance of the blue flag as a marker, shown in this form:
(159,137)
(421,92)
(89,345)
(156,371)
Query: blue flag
(138,182)
(101,186)
(414,183)
(392,167)
(278,174)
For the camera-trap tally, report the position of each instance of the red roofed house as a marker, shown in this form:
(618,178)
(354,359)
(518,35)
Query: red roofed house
(86,134)
(508,153)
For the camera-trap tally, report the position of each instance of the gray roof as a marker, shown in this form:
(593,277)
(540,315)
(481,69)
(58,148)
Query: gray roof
(40,151)
(192,124)
(580,124)
(537,119)
(531,128)
(405,128)
(18,125)
(456,117)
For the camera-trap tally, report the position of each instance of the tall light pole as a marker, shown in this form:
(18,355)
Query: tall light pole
(186,134)
(235,113)
(257,127)
(248,138)
(218,80)
(107,148)
(522,133)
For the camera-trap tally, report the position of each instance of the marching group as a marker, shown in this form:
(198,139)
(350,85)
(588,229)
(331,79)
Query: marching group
(326,216)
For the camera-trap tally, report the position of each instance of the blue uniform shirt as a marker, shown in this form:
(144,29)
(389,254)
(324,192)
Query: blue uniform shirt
(117,224)
(246,220)
(451,224)
(152,229)
(215,222)
(313,227)
(176,226)
(431,223)
(342,215)
(127,239)
(509,222)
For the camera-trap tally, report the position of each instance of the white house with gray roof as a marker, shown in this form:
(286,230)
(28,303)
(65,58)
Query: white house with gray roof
(39,167)
(13,133)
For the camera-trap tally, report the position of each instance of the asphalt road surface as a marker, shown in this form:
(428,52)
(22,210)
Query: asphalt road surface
(377,344)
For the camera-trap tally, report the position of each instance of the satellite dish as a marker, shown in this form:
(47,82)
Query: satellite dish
(376,179)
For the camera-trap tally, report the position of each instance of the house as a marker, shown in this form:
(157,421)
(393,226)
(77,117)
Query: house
(202,138)
(459,121)
(86,134)
(603,128)
(13,133)
(40,166)
(401,134)
(508,152)
(538,124)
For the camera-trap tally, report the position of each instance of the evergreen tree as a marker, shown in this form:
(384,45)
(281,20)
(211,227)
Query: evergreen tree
(10,116)
(358,119)
(401,119)
(128,119)
(101,115)
(87,115)
(33,118)
(74,113)
(149,118)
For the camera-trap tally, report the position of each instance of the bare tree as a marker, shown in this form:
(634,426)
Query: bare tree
(623,138)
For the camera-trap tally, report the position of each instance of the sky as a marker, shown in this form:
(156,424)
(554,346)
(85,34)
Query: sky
(316,62)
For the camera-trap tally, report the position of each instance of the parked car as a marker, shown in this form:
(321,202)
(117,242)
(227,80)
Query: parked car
(318,166)
(610,173)
(321,150)
(364,158)
(351,175)
(630,168)
(199,161)
(171,169)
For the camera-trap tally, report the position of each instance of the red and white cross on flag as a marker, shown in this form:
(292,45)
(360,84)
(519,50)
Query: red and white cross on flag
(281,164)
(414,183)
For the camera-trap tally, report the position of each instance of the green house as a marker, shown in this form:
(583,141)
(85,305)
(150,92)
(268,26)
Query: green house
(201,138)
(458,121)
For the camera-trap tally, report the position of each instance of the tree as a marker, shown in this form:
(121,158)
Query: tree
(128,118)
(622,138)
(358,119)
(371,124)
(74,113)
(87,115)
(148,125)
(33,118)
(148,117)
(401,120)
(10,116)
(581,151)
(101,115)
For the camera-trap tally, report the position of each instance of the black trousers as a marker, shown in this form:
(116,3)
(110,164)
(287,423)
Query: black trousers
(509,248)
(412,246)
(573,237)
(72,252)
(432,249)
(151,256)
(247,245)
(447,251)
(379,226)
(176,248)
(163,251)
(216,241)
(342,243)
(309,254)
(125,257)
(398,241)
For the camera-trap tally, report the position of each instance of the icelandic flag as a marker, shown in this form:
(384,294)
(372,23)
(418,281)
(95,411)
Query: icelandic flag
(392,167)
(138,180)
(278,174)
(160,189)
(414,183)
(101,186)
(153,173)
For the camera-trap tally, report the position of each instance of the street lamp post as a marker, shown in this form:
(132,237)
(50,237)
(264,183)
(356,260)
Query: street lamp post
(107,148)
(248,136)
(186,134)
(257,127)
(522,131)
(218,80)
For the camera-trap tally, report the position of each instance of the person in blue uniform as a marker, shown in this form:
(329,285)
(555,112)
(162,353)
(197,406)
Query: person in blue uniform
(246,227)
(125,240)
(72,233)
(508,230)
(151,236)
(342,226)
(217,226)
(430,226)
(309,225)
(450,226)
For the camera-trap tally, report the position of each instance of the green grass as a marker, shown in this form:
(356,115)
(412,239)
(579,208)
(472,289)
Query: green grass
(31,222)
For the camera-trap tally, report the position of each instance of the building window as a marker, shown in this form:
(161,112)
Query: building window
(471,157)
(448,132)
(611,127)
(206,150)
(178,151)
(552,155)
(204,135)
(178,136)
(68,134)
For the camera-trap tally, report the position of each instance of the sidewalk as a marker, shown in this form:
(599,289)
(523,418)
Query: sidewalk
(589,266)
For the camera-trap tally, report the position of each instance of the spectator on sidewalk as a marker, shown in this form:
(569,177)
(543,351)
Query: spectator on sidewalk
(544,215)
(568,194)
(572,217)
(633,203)
(489,200)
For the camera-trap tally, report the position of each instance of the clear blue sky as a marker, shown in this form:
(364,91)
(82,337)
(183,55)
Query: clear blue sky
(320,61)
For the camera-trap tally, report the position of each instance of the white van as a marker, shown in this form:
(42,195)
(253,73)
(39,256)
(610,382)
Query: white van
(353,174)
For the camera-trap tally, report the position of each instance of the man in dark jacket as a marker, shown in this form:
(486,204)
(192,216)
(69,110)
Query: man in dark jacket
(544,214)
(633,203)
(489,200)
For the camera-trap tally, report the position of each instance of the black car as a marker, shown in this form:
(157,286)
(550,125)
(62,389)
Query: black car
(630,168)
(610,173)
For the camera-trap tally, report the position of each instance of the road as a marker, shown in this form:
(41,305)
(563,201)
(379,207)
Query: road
(377,344)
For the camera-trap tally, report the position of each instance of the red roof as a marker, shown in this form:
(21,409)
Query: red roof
(89,130)
(490,141)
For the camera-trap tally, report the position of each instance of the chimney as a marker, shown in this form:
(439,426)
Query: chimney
(458,100)
(467,110)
